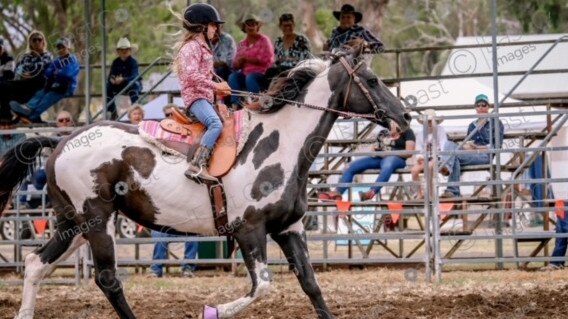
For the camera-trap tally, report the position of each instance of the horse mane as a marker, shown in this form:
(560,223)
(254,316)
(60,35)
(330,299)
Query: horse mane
(289,85)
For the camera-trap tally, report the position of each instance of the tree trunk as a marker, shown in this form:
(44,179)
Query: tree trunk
(373,14)
(309,26)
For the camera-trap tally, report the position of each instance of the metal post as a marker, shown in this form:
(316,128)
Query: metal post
(103,57)
(496,129)
(88,60)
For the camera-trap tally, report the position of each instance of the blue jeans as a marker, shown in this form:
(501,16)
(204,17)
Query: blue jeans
(205,113)
(455,162)
(387,165)
(254,82)
(161,252)
(41,101)
(561,244)
(536,170)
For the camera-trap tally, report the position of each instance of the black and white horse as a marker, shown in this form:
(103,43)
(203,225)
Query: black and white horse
(106,167)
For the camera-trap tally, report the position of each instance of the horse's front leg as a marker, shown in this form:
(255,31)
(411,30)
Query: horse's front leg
(293,244)
(252,243)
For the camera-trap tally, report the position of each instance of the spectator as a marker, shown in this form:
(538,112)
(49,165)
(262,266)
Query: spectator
(62,77)
(224,50)
(349,29)
(560,244)
(124,70)
(161,252)
(10,140)
(64,120)
(7,63)
(193,64)
(255,55)
(290,48)
(386,163)
(421,144)
(136,114)
(29,75)
(451,164)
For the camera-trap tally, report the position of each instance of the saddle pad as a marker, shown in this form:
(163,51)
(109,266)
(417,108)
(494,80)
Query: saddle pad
(177,144)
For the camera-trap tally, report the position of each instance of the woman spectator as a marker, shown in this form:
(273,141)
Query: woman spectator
(62,78)
(290,48)
(29,75)
(255,55)
(7,63)
(136,114)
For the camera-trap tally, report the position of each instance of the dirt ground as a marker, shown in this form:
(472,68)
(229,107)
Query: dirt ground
(361,294)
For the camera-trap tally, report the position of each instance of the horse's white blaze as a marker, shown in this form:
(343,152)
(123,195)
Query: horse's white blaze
(263,277)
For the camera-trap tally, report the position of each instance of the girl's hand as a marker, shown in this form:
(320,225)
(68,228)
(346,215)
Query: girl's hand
(222,89)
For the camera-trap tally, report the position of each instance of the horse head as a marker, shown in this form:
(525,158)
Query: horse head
(358,90)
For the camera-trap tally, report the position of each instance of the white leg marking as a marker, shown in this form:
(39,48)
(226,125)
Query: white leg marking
(264,276)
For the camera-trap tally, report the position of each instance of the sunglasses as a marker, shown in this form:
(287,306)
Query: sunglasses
(481,105)
(64,120)
(37,39)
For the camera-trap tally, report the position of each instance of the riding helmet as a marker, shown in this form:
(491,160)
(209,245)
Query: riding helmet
(202,13)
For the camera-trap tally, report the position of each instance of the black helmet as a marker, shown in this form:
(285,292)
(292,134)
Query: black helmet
(202,13)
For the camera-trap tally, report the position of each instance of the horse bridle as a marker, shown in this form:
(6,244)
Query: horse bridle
(378,113)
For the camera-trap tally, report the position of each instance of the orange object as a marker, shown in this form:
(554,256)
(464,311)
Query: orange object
(559,205)
(445,208)
(343,207)
(40,225)
(395,207)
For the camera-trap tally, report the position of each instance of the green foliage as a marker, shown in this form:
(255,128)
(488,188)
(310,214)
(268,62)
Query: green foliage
(325,20)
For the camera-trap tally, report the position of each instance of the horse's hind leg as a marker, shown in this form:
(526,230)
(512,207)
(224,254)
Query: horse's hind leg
(101,238)
(43,260)
(252,243)
(293,244)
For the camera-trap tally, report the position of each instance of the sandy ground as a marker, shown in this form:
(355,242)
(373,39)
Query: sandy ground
(363,294)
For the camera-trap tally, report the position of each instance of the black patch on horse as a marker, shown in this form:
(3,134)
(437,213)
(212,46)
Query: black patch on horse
(141,159)
(254,135)
(265,148)
(269,179)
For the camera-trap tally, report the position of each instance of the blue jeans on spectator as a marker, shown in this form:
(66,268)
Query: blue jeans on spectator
(254,82)
(223,72)
(387,165)
(560,244)
(41,101)
(112,90)
(161,252)
(455,162)
(205,113)
(536,170)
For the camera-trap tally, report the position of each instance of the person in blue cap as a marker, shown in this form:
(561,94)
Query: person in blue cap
(480,140)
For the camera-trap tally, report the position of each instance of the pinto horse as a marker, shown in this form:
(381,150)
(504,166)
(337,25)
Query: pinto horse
(265,190)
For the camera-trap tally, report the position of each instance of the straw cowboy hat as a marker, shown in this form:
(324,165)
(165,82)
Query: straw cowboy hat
(123,43)
(347,8)
(248,17)
(430,115)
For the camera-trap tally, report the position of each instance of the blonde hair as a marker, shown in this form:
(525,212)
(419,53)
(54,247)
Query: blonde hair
(134,108)
(31,35)
(183,37)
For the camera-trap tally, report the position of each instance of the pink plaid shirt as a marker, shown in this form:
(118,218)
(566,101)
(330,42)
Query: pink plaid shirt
(261,49)
(196,72)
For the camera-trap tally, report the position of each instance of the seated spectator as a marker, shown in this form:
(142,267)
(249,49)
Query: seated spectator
(29,75)
(124,69)
(560,244)
(349,29)
(224,50)
(136,114)
(421,145)
(388,164)
(7,63)
(450,165)
(62,77)
(290,48)
(64,120)
(254,56)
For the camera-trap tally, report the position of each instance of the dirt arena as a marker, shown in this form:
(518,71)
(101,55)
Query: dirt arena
(362,294)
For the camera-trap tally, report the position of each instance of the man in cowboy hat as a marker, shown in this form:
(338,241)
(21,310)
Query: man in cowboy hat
(349,29)
(124,69)
(450,165)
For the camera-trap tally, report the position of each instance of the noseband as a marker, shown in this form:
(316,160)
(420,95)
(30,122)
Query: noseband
(378,113)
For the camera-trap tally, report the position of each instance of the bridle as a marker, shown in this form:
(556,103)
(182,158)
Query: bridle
(378,114)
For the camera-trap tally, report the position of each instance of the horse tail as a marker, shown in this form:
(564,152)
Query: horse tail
(17,163)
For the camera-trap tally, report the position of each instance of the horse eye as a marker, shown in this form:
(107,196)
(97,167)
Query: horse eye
(373,82)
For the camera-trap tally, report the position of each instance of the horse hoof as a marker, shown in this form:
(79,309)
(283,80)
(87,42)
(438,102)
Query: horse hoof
(210,312)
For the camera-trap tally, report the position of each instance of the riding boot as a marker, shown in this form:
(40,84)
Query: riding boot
(197,169)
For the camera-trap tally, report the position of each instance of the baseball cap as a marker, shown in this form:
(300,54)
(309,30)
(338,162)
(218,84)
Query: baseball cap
(481,98)
(64,42)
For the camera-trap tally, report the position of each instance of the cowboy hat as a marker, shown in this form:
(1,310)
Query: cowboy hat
(248,17)
(123,43)
(347,8)
(430,114)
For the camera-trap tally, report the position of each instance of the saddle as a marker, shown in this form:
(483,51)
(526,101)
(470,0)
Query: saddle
(225,150)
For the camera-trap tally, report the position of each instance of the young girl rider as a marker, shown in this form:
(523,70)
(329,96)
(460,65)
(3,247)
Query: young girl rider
(193,65)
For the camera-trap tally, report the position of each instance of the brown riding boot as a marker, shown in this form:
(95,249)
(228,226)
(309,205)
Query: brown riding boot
(197,169)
